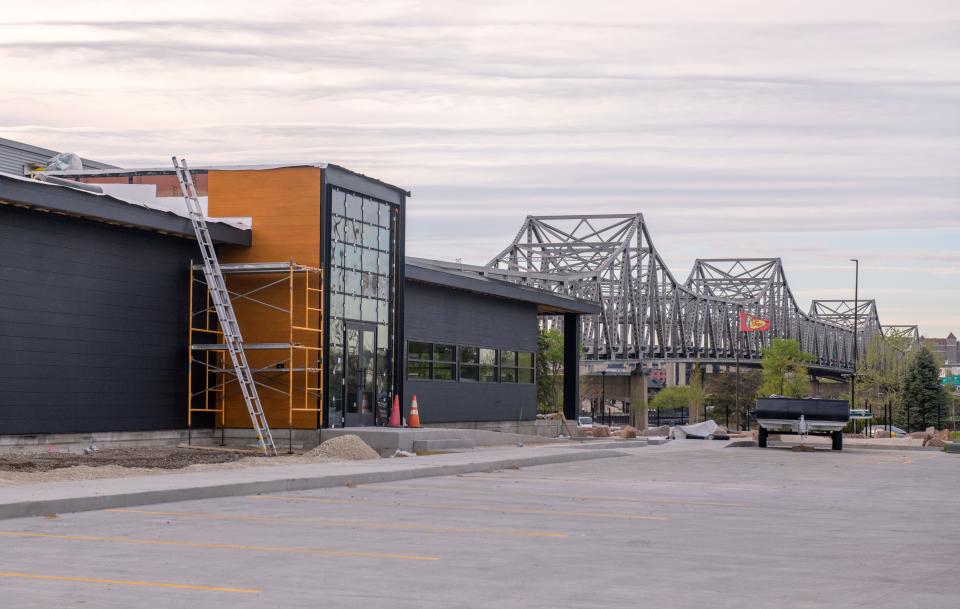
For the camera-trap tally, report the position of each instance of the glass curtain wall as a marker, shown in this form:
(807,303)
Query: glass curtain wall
(361,304)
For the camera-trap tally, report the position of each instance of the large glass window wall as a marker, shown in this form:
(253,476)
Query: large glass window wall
(361,303)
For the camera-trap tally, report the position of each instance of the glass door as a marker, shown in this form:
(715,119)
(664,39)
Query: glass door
(360,346)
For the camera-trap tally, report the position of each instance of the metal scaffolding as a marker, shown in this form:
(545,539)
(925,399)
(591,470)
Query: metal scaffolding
(299,336)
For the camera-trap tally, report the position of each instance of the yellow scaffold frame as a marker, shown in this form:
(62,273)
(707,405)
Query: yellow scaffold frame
(211,396)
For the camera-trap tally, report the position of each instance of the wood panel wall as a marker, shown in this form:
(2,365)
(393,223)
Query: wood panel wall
(285,207)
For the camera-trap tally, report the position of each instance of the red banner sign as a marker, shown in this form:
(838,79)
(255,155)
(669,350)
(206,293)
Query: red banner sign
(752,323)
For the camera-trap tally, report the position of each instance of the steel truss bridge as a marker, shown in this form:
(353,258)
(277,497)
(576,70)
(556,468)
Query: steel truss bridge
(649,315)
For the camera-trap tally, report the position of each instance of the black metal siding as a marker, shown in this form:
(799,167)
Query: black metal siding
(92,326)
(443,315)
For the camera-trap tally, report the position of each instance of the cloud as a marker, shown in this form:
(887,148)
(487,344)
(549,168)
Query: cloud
(812,131)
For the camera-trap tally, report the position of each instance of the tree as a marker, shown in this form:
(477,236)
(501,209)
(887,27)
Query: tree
(922,397)
(722,393)
(549,370)
(696,394)
(669,398)
(880,372)
(784,369)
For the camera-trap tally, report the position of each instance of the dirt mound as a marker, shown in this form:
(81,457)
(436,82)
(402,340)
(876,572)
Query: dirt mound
(347,448)
(627,432)
(663,430)
(601,431)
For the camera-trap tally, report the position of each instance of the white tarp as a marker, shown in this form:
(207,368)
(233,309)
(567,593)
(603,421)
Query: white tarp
(700,430)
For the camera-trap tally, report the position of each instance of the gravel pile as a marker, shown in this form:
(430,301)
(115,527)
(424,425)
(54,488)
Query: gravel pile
(346,448)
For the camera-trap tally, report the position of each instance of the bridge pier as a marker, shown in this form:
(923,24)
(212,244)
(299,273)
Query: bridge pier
(638,397)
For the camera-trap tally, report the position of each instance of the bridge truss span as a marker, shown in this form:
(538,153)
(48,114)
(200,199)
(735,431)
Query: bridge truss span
(647,314)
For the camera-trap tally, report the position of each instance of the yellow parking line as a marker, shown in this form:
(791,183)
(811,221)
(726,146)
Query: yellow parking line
(125,582)
(467,508)
(361,524)
(219,546)
(475,491)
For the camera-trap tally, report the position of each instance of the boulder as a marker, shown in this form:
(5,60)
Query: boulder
(601,431)
(937,442)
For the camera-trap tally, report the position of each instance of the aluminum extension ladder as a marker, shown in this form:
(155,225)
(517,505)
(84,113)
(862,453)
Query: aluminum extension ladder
(221,302)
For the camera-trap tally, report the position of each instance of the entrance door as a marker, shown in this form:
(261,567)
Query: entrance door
(360,346)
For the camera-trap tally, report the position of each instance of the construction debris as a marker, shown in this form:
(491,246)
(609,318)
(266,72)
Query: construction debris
(707,430)
(347,448)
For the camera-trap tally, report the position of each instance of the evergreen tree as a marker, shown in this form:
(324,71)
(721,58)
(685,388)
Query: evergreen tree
(923,398)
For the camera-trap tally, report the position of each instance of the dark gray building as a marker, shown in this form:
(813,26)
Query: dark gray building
(92,310)
(471,344)
(94,333)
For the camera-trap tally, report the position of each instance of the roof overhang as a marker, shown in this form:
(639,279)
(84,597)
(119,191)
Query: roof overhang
(421,270)
(32,194)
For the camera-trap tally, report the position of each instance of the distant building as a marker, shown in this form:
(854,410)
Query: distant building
(945,350)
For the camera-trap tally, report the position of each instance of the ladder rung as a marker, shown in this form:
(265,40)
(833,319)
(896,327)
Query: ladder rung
(233,340)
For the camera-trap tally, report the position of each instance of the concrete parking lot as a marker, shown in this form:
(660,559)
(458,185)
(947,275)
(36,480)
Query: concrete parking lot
(690,524)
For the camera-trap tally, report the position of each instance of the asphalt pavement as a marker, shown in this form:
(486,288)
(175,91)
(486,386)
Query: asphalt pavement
(689,524)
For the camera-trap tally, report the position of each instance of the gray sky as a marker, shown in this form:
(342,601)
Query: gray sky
(815,131)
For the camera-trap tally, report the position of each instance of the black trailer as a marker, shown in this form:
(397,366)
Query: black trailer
(807,416)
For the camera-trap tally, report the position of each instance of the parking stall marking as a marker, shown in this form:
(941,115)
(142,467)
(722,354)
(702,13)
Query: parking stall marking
(362,524)
(125,582)
(657,500)
(454,506)
(220,546)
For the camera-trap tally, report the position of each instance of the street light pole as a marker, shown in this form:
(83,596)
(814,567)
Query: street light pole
(856,324)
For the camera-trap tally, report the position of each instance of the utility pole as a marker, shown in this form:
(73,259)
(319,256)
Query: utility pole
(736,404)
(856,324)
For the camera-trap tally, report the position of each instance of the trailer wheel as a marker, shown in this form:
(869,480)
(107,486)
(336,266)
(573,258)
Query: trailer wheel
(762,437)
(837,437)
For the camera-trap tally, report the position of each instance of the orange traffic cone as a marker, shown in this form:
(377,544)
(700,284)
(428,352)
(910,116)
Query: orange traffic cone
(395,413)
(414,419)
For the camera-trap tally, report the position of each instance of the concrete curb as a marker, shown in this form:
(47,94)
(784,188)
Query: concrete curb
(820,446)
(91,501)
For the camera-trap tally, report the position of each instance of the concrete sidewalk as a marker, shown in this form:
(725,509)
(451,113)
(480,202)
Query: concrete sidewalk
(78,496)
